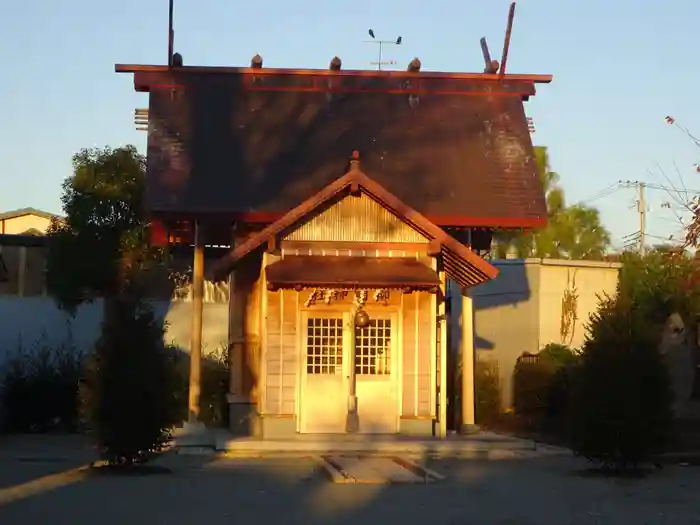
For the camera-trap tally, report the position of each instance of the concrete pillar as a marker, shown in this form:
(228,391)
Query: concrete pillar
(467,341)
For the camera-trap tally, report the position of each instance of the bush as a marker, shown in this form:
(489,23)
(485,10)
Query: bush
(215,376)
(39,390)
(621,397)
(214,386)
(558,354)
(487,392)
(129,397)
(532,378)
(541,386)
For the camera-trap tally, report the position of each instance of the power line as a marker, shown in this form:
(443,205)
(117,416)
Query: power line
(608,190)
(651,186)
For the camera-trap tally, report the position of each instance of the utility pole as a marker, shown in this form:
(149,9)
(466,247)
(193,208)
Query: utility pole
(642,209)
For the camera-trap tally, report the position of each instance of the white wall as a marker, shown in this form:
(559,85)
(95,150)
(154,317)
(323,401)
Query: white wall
(521,310)
(37,320)
(590,279)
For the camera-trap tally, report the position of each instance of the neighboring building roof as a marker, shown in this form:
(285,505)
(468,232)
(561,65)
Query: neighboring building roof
(455,147)
(27,211)
(461,264)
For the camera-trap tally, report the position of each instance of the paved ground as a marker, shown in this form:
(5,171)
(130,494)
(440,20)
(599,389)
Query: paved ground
(27,457)
(544,490)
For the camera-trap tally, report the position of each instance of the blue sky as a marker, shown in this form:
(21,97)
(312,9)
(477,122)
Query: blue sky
(619,68)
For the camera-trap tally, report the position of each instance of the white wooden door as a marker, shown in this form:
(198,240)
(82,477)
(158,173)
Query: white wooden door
(324,391)
(376,371)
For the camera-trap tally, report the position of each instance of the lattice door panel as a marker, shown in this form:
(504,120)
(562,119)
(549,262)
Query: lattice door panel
(373,348)
(324,346)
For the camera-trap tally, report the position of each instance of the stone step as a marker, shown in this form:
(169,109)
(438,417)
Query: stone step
(376,470)
(379,445)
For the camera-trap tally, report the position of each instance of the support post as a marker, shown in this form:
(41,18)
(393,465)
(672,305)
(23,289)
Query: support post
(196,336)
(442,353)
(243,410)
(22,271)
(468,401)
(235,337)
(352,420)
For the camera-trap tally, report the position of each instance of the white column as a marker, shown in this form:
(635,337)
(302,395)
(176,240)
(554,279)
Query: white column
(196,335)
(468,399)
(442,352)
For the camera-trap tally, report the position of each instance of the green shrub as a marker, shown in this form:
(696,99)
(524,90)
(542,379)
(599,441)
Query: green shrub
(558,354)
(541,386)
(130,392)
(559,396)
(213,404)
(215,377)
(39,391)
(621,395)
(487,392)
(532,378)
(563,362)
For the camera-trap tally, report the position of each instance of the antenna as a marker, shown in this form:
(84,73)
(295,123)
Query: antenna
(171,33)
(379,62)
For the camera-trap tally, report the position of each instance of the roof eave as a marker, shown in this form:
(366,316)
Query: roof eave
(488,77)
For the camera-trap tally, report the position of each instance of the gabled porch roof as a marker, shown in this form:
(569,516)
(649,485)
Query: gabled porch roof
(460,263)
(316,271)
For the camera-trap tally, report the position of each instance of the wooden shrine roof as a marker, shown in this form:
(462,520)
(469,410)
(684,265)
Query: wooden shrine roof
(251,143)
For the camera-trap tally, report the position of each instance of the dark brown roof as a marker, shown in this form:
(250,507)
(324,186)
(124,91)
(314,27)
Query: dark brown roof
(456,148)
(460,263)
(351,272)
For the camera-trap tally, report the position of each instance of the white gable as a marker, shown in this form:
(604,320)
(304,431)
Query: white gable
(357,219)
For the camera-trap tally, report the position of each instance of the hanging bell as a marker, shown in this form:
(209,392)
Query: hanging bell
(362,319)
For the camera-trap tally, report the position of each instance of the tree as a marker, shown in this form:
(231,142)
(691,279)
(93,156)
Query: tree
(572,232)
(625,420)
(103,243)
(691,205)
(102,250)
